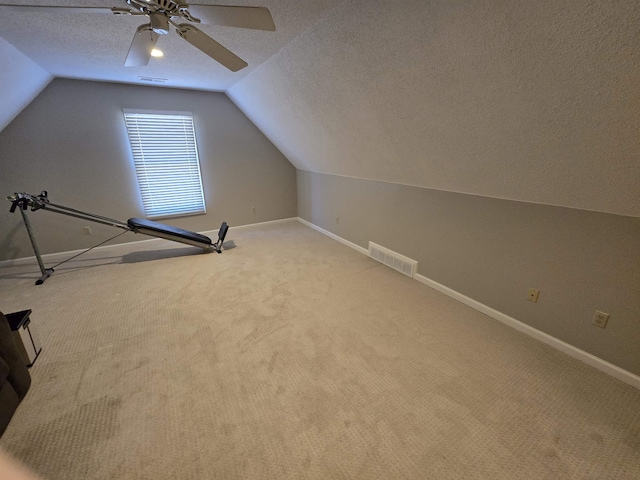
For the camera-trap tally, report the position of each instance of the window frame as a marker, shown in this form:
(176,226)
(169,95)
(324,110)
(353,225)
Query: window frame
(190,159)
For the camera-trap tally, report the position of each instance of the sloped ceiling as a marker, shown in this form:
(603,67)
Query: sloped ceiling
(23,82)
(532,101)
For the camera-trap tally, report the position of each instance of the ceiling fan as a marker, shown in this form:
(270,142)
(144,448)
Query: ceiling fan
(163,13)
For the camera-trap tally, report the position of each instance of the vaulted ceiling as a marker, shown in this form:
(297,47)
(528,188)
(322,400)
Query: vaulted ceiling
(531,101)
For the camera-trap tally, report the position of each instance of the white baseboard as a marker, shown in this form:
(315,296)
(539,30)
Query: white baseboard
(59,256)
(335,237)
(261,224)
(596,362)
(589,359)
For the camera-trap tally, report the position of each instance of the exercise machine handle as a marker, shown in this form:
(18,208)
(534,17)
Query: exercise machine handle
(17,202)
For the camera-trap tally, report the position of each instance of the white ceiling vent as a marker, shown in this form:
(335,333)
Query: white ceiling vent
(392,259)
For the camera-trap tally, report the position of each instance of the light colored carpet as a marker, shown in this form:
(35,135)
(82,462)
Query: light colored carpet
(292,356)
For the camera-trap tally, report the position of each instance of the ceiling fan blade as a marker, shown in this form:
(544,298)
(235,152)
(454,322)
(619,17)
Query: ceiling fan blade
(208,45)
(144,41)
(256,18)
(56,9)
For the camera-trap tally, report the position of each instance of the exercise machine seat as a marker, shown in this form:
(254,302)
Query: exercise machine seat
(144,224)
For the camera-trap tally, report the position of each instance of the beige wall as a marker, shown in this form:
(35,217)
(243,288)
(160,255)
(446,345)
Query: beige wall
(493,250)
(71,140)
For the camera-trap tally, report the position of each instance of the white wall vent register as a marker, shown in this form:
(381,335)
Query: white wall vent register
(393,259)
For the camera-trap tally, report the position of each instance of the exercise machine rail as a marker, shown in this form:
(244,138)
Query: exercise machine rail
(24,201)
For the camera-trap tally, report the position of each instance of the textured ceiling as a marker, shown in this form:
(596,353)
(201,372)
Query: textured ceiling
(531,101)
(94,46)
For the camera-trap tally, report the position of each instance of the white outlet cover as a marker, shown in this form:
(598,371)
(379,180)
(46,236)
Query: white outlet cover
(532,295)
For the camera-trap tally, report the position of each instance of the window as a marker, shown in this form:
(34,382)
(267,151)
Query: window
(166,162)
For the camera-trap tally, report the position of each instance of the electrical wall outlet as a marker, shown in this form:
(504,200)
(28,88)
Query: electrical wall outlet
(87,230)
(532,295)
(337,219)
(253,209)
(600,319)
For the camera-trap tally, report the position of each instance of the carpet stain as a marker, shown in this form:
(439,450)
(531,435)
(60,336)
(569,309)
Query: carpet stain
(77,434)
(272,362)
(632,439)
(207,342)
(140,363)
(551,454)
(259,334)
(319,408)
(596,437)
(229,428)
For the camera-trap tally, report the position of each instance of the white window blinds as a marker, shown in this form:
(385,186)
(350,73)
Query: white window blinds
(165,155)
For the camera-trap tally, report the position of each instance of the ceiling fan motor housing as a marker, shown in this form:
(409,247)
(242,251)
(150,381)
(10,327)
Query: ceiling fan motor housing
(167,7)
(159,23)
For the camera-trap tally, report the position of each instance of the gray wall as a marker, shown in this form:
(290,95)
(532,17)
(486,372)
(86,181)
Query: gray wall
(492,250)
(71,140)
